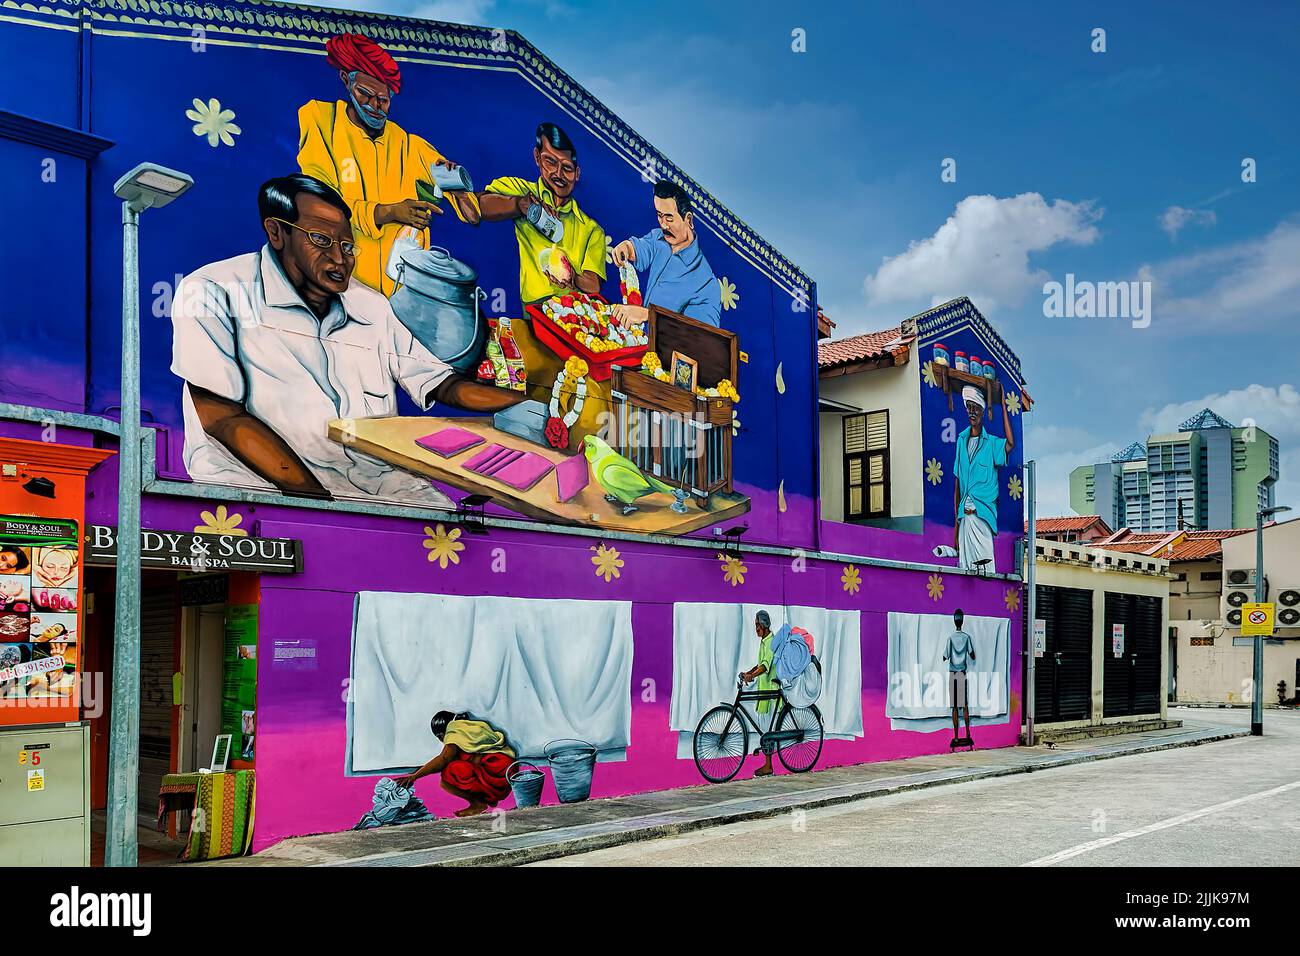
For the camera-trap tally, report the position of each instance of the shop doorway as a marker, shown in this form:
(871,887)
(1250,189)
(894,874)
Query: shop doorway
(201,667)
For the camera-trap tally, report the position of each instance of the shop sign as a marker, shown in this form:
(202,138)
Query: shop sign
(192,551)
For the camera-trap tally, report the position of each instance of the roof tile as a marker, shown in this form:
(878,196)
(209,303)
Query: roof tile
(859,348)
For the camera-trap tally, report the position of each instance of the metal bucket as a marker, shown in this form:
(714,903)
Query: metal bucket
(572,763)
(438,300)
(525,783)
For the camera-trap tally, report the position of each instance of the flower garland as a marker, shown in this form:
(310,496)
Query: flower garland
(557,426)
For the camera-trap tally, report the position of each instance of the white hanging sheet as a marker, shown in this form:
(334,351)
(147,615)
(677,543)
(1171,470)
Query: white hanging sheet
(918,693)
(538,670)
(712,643)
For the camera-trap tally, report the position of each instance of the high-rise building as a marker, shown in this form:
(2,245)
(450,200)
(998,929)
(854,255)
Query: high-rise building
(1209,474)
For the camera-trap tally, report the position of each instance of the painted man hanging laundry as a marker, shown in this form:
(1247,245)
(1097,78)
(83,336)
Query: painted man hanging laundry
(472,762)
(371,161)
(979,455)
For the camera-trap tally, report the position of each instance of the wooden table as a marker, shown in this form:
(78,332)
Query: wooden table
(393,440)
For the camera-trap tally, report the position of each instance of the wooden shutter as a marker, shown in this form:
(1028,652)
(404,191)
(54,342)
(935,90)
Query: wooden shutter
(866,465)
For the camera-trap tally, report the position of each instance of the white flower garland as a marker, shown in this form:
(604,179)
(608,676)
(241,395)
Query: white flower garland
(577,373)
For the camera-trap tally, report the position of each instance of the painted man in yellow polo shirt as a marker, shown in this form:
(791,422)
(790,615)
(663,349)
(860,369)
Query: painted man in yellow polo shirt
(583,244)
(372,162)
(583,241)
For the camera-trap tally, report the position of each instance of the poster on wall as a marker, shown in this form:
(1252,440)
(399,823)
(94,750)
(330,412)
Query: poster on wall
(39,618)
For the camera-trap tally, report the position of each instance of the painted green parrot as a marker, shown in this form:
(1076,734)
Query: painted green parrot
(623,481)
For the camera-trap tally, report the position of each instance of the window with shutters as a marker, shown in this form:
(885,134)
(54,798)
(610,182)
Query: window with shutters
(866,466)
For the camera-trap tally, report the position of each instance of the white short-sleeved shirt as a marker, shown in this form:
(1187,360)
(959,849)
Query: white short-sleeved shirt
(241,331)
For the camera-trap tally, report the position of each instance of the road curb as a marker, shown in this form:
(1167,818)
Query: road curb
(536,846)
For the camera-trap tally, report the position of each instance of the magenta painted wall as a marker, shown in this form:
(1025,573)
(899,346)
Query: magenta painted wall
(302,712)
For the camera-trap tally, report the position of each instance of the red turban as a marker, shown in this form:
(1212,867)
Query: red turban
(351,52)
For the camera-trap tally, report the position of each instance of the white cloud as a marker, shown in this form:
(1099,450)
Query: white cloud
(1173,219)
(983,251)
(1276,410)
(1243,285)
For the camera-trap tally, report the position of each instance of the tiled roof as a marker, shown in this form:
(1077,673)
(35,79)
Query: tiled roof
(1175,546)
(1069,523)
(860,348)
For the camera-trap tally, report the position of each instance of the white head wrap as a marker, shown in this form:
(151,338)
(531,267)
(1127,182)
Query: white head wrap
(972,394)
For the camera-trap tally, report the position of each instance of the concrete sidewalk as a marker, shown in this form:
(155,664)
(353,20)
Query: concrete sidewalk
(540,833)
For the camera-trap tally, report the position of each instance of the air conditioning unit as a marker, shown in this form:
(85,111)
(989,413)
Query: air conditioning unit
(1239,589)
(1288,617)
(1289,597)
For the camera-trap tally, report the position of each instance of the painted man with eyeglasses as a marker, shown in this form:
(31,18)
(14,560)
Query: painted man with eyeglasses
(370,160)
(274,344)
(583,242)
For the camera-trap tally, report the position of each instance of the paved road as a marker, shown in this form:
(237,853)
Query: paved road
(1235,802)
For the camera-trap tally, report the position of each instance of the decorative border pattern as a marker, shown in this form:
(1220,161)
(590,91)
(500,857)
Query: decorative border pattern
(946,318)
(305,28)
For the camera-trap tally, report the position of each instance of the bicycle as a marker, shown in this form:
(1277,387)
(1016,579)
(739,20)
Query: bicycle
(721,741)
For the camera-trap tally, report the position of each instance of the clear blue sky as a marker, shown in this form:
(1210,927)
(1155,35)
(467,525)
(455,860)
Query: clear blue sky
(1113,166)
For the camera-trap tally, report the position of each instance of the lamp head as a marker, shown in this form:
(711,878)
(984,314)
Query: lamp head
(150,186)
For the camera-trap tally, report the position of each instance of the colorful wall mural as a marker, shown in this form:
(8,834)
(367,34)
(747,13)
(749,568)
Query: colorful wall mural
(418,265)
(972,397)
(427,265)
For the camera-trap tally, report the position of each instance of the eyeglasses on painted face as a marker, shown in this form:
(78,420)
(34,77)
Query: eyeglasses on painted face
(322,241)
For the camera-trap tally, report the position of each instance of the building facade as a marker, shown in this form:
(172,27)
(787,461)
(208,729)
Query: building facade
(1105,618)
(1207,475)
(363,508)
(1215,663)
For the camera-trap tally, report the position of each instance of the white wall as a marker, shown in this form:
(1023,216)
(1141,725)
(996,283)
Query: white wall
(899,390)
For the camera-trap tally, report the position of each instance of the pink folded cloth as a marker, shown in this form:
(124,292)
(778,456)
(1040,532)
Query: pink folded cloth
(487,457)
(571,476)
(523,472)
(449,441)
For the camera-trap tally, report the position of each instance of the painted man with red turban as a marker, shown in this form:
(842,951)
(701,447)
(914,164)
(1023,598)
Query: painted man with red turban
(372,162)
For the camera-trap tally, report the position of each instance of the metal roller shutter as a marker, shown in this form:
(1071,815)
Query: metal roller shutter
(1063,675)
(1131,682)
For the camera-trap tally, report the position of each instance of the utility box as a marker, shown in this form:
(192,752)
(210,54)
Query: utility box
(44,795)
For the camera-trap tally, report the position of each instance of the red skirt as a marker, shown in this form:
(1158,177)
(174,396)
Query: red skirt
(484,778)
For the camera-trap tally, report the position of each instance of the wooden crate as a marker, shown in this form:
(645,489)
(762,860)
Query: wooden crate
(952,381)
(681,438)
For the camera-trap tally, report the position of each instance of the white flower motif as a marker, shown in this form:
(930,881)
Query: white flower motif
(609,248)
(727,292)
(212,121)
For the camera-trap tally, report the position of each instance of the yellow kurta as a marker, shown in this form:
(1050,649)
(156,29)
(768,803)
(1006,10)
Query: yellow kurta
(366,172)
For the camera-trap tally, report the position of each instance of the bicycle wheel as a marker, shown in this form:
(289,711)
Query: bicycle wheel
(721,743)
(800,755)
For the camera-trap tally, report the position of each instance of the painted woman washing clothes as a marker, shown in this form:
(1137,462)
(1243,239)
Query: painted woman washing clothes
(473,761)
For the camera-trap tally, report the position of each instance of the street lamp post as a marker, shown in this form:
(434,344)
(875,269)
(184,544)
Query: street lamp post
(148,186)
(1257,692)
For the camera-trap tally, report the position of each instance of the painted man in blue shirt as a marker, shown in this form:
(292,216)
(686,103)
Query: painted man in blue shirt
(677,276)
(979,455)
(959,648)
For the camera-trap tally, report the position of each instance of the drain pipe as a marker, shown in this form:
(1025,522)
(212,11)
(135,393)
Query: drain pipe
(1031,599)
